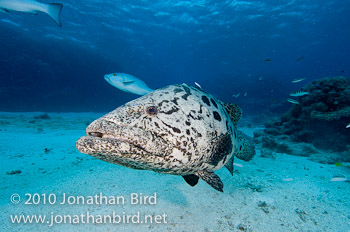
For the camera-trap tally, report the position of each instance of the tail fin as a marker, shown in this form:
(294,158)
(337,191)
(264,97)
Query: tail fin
(246,149)
(54,10)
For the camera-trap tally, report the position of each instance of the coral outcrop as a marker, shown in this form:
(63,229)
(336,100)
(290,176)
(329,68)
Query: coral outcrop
(320,119)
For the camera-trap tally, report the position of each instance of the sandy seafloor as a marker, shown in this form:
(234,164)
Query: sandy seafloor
(288,193)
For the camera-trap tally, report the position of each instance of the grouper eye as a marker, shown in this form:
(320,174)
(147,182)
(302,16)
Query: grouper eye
(151,110)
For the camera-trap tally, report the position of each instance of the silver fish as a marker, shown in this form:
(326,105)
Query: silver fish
(298,80)
(128,83)
(31,6)
(339,179)
(292,101)
(299,93)
(198,85)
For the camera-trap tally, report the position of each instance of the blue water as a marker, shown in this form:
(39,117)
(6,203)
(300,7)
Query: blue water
(221,45)
(246,52)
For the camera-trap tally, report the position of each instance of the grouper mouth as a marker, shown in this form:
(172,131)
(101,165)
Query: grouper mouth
(109,138)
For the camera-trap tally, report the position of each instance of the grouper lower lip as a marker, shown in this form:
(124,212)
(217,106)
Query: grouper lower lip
(107,144)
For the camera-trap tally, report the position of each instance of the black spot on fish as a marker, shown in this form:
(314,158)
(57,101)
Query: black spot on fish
(189,156)
(188,93)
(162,102)
(168,108)
(206,100)
(214,103)
(194,115)
(188,131)
(198,134)
(156,124)
(175,100)
(177,90)
(217,116)
(173,128)
(172,110)
(200,109)
(188,123)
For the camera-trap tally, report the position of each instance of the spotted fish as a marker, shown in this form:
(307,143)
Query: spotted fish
(178,129)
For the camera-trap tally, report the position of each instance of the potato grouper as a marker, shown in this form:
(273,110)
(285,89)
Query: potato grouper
(178,129)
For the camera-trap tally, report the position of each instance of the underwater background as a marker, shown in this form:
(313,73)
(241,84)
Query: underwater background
(253,53)
(222,45)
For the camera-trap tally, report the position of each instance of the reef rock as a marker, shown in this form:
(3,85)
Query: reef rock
(319,119)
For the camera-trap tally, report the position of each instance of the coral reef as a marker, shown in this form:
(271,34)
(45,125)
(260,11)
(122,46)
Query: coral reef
(319,120)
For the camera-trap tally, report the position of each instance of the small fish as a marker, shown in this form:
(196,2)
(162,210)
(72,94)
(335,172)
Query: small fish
(198,85)
(260,78)
(127,83)
(299,93)
(347,126)
(267,60)
(341,165)
(339,179)
(236,95)
(300,58)
(245,94)
(31,6)
(342,71)
(298,80)
(288,179)
(292,101)
(238,165)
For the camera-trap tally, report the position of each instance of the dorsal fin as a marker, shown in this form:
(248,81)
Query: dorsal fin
(234,111)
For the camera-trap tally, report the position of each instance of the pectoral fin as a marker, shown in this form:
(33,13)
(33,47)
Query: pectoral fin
(128,82)
(212,179)
(191,179)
